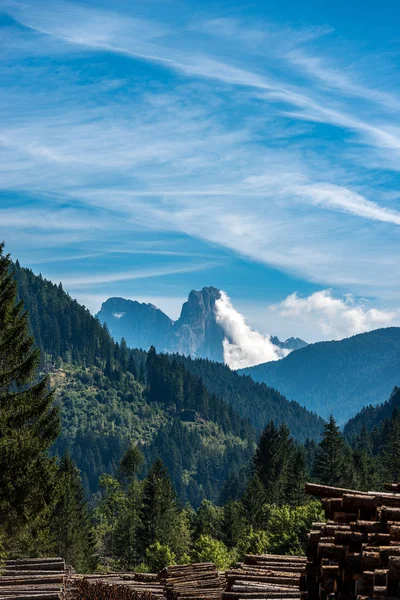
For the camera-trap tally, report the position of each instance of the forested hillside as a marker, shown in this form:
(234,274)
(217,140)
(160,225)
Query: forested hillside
(255,401)
(339,377)
(200,416)
(372,417)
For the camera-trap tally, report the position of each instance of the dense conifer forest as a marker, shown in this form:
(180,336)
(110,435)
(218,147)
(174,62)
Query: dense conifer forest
(142,458)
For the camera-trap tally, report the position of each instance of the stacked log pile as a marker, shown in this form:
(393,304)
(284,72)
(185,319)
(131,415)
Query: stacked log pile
(356,553)
(32,579)
(199,581)
(119,586)
(265,577)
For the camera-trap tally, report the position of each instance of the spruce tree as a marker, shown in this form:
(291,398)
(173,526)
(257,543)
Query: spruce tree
(131,462)
(391,452)
(70,522)
(271,461)
(128,545)
(159,506)
(29,422)
(330,459)
(297,476)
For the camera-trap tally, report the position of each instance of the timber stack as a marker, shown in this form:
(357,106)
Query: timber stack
(32,579)
(265,577)
(119,586)
(199,581)
(356,553)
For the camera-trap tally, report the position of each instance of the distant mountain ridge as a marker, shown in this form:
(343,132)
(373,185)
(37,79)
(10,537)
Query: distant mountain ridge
(338,377)
(196,333)
(372,416)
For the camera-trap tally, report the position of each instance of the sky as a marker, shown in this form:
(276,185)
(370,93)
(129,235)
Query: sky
(149,148)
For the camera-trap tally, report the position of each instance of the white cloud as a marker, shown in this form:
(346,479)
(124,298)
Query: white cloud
(243,347)
(336,318)
(100,278)
(171,158)
(340,198)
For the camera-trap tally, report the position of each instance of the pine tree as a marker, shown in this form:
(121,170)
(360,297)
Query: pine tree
(271,461)
(159,506)
(70,522)
(253,501)
(131,462)
(330,460)
(233,523)
(297,477)
(29,422)
(128,545)
(391,452)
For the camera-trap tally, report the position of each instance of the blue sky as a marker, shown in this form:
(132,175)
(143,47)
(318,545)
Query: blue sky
(149,148)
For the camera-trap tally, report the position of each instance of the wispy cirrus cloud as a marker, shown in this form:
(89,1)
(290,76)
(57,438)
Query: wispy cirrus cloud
(101,278)
(256,139)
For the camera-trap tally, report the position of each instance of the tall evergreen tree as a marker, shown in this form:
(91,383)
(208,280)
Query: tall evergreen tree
(159,506)
(330,461)
(29,422)
(391,452)
(131,462)
(271,461)
(297,475)
(70,522)
(128,544)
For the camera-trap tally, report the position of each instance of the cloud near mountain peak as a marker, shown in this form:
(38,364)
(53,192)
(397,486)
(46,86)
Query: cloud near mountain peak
(243,347)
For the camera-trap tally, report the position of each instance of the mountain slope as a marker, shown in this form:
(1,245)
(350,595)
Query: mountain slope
(105,400)
(142,325)
(372,416)
(339,377)
(254,401)
(196,333)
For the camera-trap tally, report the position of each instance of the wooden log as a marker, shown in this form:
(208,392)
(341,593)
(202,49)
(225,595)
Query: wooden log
(388,513)
(380,577)
(259,558)
(394,532)
(331,551)
(349,537)
(326,491)
(386,552)
(394,567)
(378,539)
(371,560)
(345,517)
(368,526)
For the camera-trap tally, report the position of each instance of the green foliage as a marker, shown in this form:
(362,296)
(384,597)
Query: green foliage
(208,520)
(253,542)
(160,507)
(127,540)
(391,451)
(108,512)
(70,522)
(132,462)
(254,402)
(372,416)
(331,466)
(274,455)
(159,556)
(287,527)
(208,549)
(28,420)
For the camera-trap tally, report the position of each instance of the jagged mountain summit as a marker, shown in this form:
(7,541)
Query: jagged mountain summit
(198,332)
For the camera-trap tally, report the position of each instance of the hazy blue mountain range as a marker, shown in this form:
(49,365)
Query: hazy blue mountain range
(338,377)
(196,333)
